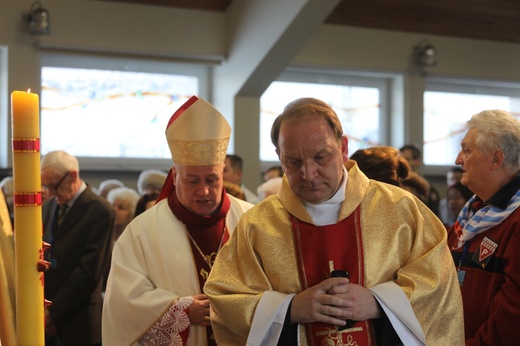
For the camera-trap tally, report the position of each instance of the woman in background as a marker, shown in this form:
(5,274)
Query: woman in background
(456,196)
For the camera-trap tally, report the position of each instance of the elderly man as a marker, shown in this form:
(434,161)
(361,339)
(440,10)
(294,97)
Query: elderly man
(162,260)
(78,224)
(273,283)
(485,239)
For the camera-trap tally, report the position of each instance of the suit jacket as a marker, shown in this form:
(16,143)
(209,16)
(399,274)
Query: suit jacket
(80,248)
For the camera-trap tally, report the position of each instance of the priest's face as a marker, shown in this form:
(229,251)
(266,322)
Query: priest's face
(312,158)
(199,188)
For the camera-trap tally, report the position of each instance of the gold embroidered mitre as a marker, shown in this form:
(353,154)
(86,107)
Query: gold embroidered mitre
(198,135)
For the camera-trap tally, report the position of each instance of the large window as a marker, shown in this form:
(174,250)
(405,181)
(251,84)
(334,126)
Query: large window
(448,104)
(112,113)
(360,103)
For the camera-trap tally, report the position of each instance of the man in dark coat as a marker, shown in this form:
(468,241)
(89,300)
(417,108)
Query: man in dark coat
(78,224)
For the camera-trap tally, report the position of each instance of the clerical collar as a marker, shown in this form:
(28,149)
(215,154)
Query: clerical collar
(326,213)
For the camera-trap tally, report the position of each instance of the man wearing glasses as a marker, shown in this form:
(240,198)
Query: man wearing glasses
(78,225)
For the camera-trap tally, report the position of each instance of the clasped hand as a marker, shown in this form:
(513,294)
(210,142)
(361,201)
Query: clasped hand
(333,301)
(198,311)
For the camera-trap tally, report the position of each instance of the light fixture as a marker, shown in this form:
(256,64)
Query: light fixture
(425,54)
(38,19)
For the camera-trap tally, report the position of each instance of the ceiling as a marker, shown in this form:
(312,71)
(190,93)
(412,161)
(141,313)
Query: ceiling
(496,20)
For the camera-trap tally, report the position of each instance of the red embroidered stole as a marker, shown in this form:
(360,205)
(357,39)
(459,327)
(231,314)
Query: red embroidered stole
(209,234)
(316,247)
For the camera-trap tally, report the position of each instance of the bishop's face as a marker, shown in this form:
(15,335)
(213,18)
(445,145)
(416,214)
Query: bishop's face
(199,188)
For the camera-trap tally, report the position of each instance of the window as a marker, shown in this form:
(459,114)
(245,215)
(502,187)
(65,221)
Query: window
(448,104)
(112,113)
(360,103)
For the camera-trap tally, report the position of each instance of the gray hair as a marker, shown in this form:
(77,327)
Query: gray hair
(125,194)
(60,162)
(150,179)
(498,129)
(270,187)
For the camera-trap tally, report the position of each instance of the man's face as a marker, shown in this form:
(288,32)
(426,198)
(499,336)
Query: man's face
(59,186)
(312,158)
(230,174)
(414,163)
(475,163)
(199,188)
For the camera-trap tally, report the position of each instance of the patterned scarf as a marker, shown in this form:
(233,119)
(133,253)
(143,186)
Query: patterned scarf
(472,221)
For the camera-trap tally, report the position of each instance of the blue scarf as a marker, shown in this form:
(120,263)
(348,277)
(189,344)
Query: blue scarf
(470,223)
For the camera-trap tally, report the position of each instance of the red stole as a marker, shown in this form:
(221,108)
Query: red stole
(209,233)
(342,244)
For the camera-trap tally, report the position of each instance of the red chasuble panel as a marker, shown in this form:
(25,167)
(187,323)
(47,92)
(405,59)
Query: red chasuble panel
(321,249)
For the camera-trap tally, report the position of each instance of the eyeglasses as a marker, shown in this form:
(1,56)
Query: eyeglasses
(55,187)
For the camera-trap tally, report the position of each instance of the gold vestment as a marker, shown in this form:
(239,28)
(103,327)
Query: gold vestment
(403,242)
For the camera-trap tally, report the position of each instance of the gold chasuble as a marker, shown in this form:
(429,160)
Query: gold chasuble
(392,244)
(321,249)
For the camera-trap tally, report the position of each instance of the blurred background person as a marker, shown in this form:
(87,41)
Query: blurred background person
(456,197)
(124,200)
(7,277)
(233,173)
(150,180)
(145,202)
(269,187)
(107,185)
(272,172)
(417,185)
(452,176)
(234,190)
(382,163)
(413,155)
(8,191)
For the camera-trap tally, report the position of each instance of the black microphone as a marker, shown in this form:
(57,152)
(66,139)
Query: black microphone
(342,274)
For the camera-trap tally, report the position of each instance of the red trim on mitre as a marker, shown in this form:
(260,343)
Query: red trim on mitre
(181,109)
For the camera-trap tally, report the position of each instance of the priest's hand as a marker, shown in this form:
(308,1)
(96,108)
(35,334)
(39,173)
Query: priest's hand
(198,311)
(316,305)
(361,302)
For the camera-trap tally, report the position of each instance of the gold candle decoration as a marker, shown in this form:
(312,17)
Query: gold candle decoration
(28,228)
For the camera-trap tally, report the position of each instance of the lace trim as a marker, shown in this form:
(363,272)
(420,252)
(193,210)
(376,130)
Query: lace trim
(166,331)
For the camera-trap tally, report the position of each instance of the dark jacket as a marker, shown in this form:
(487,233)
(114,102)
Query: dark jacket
(80,249)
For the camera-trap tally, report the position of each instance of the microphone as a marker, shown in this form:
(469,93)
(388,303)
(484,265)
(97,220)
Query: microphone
(342,274)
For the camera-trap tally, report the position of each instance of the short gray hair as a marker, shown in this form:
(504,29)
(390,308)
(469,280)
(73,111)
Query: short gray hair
(60,162)
(150,179)
(125,194)
(498,129)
